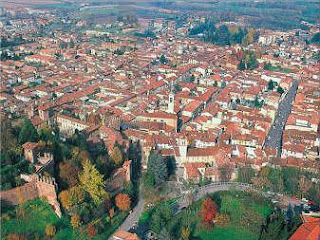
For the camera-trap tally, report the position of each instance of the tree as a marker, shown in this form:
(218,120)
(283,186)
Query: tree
(208,212)
(249,37)
(50,230)
(222,219)
(225,173)
(160,218)
(248,61)
(64,199)
(267,66)
(9,142)
(177,88)
(280,90)
(304,185)
(245,174)
(274,227)
(315,38)
(72,197)
(69,171)
(222,36)
(191,79)
(92,231)
(16,236)
(75,221)
(92,182)
(163,59)
(164,235)
(270,85)
(134,154)
(290,212)
(157,168)
(111,212)
(185,233)
(116,156)
(76,195)
(171,165)
(123,202)
(28,132)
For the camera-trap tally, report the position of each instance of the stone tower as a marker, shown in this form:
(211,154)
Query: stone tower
(171,103)
(183,148)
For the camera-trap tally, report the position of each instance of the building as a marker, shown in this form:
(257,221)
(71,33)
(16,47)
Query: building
(169,119)
(308,230)
(68,125)
(40,160)
(124,235)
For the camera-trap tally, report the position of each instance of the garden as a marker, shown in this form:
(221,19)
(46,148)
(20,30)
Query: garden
(222,215)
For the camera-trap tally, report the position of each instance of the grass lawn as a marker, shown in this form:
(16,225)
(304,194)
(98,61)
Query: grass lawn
(279,69)
(225,233)
(238,205)
(38,213)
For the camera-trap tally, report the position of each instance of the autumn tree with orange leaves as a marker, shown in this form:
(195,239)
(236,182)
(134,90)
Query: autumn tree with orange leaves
(92,231)
(123,202)
(208,212)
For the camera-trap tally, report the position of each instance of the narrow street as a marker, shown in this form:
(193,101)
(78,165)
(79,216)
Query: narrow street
(274,137)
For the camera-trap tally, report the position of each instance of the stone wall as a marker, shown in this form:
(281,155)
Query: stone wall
(39,186)
(21,194)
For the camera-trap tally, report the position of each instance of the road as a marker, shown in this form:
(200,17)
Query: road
(211,188)
(133,218)
(274,138)
(201,192)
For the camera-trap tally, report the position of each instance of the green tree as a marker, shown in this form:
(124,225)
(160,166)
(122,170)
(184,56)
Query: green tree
(280,90)
(267,66)
(160,218)
(163,59)
(270,85)
(157,167)
(191,79)
(177,88)
(222,36)
(134,154)
(28,132)
(171,165)
(274,227)
(315,38)
(248,61)
(249,37)
(92,182)
(8,144)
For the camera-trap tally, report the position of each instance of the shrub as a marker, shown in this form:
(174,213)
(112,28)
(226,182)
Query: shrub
(50,230)
(222,219)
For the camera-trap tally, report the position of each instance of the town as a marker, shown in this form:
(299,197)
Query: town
(125,127)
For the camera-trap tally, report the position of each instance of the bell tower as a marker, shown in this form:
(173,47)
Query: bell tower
(171,103)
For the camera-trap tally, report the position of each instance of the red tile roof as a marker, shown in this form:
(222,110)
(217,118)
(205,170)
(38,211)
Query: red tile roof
(309,230)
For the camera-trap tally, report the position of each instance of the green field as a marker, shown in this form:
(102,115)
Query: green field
(247,211)
(36,214)
(33,219)
(238,205)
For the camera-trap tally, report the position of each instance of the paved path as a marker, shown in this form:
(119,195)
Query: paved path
(212,188)
(133,218)
(274,138)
